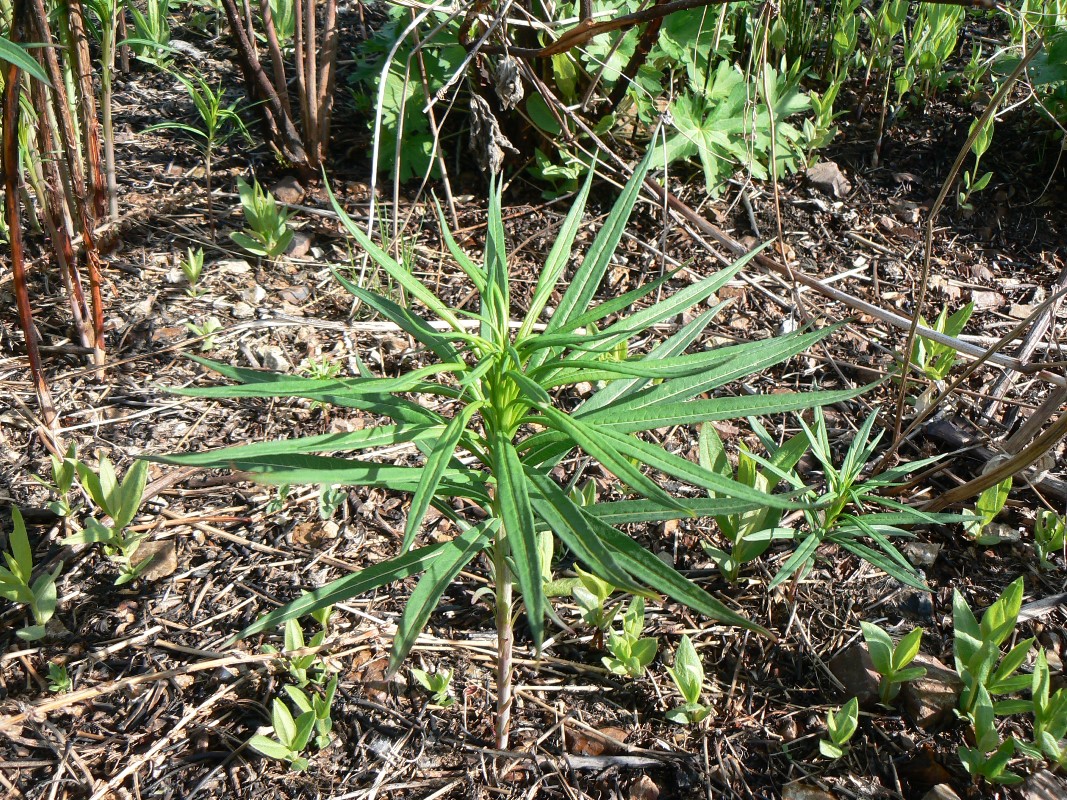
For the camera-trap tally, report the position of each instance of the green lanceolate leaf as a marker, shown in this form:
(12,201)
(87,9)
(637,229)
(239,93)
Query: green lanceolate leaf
(472,270)
(452,557)
(646,568)
(282,468)
(12,53)
(664,415)
(566,521)
(422,331)
(622,512)
(381,436)
(436,464)
(557,259)
(588,277)
(397,272)
(393,569)
(513,502)
(591,440)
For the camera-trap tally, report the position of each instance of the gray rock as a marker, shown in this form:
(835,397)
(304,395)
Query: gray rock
(828,178)
(929,701)
(853,667)
(274,359)
(921,554)
(941,792)
(288,190)
(804,791)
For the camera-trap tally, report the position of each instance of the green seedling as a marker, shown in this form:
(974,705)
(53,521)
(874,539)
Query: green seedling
(1050,714)
(321,369)
(306,668)
(192,267)
(933,358)
(437,684)
(205,331)
(291,736)
(278,501)
(320,705)
(990,756)
(119,502)
(688,675)
(17,586)
(1050,535)
(591,594)
(990,503)
(331,498)
(842,513)
(976,649)
(218,124)
(972,182)
(841,726)
(268,233)
(631,654)
(58,679)
(891,662)
(507,430)
(751,533)
(63,471)
(151,39)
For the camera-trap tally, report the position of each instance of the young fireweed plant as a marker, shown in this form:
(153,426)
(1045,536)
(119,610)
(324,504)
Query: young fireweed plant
(491,394)
(842,513)
(38,596)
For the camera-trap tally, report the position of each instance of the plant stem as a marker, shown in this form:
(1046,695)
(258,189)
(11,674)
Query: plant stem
(505,640)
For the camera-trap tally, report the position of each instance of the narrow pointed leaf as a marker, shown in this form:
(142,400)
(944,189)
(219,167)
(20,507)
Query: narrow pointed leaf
(513,498)
(436,464)
(452,557)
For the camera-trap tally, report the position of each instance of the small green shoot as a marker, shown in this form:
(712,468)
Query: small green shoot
(305,668)
(891,662)
(63,470)
(688,675)
(192,267)
(972,182)
(205,331)
(591,593)
(437,683)
(269,234)
(990,756)
(990,504)
(16,585)
(1050,714)
(841,726)
(631,654)
(291,736)
(120,502)
(58,679)
(933,358)
(976,649)
(750,533)
(320,705)
(1050,535)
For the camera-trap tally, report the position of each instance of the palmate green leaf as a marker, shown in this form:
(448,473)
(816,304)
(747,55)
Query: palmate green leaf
(436,464)
(516,514)
(590,439)
(565,519)
(452,557)
(409,322)
(693,412)
(374,577)
(397,272)
(647,568)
